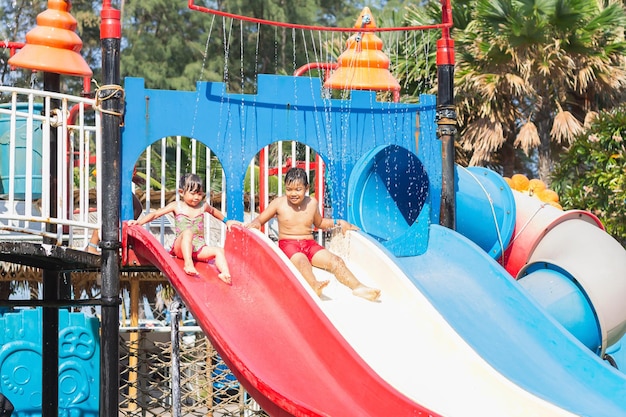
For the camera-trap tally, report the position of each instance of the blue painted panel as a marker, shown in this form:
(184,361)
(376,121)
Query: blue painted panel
(236,126)
(79,363)
(20,152)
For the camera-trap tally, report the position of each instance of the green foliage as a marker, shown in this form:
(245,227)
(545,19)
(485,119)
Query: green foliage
(591,175)
(187,163)
(160,40)
(273,182)
(527,73)
(76,176)
(412,54)
(172,47)
(87,15)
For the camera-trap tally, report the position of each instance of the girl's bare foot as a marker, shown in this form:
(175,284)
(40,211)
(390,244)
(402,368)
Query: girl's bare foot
(225,277)
(368,293)
(190,269)
(319,286)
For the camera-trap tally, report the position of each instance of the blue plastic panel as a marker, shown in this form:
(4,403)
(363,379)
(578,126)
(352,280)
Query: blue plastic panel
(485,209)
(79,363)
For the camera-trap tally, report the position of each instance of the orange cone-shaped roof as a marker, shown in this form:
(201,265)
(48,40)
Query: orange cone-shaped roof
(363,65)
(53,46)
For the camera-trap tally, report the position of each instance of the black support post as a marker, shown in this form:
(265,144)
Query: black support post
(50,347)
(111,97)
(175,314)
(50,315)
(446,118)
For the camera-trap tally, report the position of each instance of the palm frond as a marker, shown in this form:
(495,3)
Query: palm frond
(565,127)
(528,137)
(483,134)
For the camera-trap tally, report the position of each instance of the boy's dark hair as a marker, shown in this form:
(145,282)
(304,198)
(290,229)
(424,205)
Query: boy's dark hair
(296,175)
(191,182)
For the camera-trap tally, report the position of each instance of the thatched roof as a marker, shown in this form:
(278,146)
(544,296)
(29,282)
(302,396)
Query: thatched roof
(24,276)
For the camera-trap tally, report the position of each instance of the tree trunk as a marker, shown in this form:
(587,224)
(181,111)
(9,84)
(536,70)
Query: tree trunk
(507,153)
(544,153)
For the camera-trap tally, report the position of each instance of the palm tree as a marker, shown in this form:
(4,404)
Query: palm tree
(529,73)
(591,173)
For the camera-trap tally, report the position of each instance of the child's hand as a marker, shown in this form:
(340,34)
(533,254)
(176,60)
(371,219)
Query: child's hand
(229,223)
(345,226)
(132,222)
(254,224)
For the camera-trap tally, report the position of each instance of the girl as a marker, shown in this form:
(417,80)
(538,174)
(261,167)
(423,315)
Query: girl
(189,244)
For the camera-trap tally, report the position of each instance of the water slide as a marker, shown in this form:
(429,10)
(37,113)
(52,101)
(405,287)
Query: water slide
(272,335)
(570,278)
(454,334)
(493,352)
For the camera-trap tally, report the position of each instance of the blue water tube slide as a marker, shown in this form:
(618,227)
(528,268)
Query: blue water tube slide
(548,330)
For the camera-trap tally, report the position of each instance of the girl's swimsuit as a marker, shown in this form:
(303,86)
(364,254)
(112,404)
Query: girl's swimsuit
(182,222)
(309,247)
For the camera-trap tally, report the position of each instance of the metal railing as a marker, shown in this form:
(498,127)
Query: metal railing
(161,164)
(29,119)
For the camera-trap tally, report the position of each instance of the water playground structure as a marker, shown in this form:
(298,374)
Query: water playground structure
(493,302)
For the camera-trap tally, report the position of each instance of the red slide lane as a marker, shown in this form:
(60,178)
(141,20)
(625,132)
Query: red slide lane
(272,336)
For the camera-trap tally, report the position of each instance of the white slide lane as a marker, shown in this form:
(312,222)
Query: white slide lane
(410,345)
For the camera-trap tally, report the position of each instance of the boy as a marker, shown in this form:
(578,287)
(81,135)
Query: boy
(297,214)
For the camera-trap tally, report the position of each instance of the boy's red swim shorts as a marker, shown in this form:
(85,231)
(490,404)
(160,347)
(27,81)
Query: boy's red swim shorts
(309,247)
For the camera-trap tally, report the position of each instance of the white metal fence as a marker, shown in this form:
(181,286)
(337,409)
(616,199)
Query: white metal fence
(29,120)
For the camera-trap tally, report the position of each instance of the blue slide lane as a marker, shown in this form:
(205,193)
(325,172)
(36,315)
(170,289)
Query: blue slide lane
(499,320)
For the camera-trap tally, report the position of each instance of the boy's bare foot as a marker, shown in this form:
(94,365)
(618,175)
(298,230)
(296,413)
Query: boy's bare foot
(368,293)
(190,269)
(225,277)
(319,286)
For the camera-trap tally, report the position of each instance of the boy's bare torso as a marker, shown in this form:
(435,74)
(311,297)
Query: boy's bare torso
(296,221)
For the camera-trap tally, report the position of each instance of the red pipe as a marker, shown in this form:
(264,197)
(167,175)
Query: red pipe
(12,47)
(192,6)
(315,65)
(445,45)
(290,164)
(263,185)
(111,27)
(319,181)
(71,118)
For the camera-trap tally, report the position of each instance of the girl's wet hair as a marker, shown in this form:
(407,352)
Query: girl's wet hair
(190,183)
(295,175)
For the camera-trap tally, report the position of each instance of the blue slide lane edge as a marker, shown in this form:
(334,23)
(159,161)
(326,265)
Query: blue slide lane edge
(509,330)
